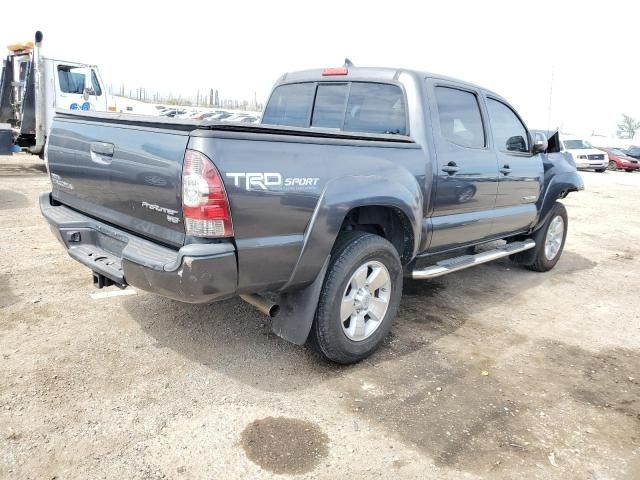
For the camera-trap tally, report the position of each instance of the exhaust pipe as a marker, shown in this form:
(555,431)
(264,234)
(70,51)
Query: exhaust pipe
(39,95)
(267,307)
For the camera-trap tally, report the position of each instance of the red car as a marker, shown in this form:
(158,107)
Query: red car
(619,160)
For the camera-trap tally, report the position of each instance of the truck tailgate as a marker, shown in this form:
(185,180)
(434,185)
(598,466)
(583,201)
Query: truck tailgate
(129,176)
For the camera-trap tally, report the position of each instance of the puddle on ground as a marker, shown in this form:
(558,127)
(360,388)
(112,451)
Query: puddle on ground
(284,445)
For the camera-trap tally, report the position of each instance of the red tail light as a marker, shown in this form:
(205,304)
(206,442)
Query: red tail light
(205,205)
(328,72)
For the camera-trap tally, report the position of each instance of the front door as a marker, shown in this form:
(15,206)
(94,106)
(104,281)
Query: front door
(521,174)
(78,87)
(467,170)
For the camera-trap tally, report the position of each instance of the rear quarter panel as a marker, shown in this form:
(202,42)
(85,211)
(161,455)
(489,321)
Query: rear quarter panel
(274,221)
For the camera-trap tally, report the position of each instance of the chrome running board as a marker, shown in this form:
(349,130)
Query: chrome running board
(451,265)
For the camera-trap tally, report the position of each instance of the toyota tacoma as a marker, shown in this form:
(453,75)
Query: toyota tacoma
(355,179)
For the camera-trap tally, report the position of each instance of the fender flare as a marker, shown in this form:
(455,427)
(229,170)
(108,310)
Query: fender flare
(558,187)
(338,198)
(299,296)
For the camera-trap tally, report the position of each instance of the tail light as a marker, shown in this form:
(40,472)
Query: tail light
(205,205)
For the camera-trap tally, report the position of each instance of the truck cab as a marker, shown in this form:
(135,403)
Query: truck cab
(33,86)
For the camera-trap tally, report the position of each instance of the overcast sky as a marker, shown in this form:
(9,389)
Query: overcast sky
(511,47)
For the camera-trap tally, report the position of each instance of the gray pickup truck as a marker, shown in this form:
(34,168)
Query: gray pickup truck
(355,178)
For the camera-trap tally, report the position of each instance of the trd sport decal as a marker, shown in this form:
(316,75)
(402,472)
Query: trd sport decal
(268,181)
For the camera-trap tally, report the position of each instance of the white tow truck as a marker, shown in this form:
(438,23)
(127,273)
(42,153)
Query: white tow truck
(33,86)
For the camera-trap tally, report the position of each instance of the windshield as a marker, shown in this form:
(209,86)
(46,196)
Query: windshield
(576,144)
(617,151)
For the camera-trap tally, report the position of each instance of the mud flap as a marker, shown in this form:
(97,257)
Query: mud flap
(297,310)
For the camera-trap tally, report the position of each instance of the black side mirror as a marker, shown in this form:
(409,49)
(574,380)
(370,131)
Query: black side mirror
(540,143)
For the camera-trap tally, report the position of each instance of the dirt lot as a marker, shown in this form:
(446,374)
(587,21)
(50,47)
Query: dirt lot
(144,387)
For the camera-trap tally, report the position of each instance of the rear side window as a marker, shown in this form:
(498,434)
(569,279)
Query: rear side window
(328,110)
(352,107)
(290,105)
(508,131)
(459,117)
(376,108)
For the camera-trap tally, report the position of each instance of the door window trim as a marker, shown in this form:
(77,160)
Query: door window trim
(466,89)
(501,150)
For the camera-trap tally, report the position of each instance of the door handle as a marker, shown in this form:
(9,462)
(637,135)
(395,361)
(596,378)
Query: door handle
(505,170)
(102,148)
(101,152)
(451,168)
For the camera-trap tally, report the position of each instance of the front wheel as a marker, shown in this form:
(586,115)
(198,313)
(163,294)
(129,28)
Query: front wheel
(601,170)
(359,298)
(549,240)
(612,166)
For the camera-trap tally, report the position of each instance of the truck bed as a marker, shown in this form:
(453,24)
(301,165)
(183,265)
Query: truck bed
(188,125)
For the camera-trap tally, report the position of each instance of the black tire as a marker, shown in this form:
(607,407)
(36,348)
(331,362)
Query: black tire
(601,170)
(612,166)
(629,171)
(536,259)
(352,250)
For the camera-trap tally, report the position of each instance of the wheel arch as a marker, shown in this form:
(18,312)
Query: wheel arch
(558,187)
(394,206)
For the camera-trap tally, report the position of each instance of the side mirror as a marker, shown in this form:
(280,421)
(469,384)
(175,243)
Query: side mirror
(87,92)
(540,143)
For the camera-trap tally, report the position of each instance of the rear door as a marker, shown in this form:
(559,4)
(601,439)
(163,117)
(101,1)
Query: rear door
(520,173)
(466,172)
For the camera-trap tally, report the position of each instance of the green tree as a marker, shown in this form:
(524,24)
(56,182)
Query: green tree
(628,127)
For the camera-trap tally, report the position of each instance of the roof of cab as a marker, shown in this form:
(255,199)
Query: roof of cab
(370,73)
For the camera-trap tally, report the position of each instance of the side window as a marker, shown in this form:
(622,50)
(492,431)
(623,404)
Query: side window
(328,110)
(460,118)
(375,108)
(95,83)
(71,79)
(290,105)
(508,131)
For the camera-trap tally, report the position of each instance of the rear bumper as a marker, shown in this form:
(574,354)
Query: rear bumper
(197,273)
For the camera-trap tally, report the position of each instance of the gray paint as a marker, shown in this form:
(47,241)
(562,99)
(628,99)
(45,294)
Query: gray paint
(283,236)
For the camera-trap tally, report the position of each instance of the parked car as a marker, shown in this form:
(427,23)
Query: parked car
(585,155)
(353,176)
(207,115)
(619,160)
(173,113)
(634,152)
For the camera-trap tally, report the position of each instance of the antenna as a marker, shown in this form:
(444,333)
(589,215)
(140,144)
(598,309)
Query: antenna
(348,63)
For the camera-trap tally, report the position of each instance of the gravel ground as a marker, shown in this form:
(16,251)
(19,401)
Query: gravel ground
(493,372)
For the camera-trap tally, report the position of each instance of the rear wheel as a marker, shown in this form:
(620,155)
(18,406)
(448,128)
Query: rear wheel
(549,240)
(612,166)
(359,298)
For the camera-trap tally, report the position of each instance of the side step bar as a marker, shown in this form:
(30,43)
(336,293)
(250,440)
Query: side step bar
(451,265)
